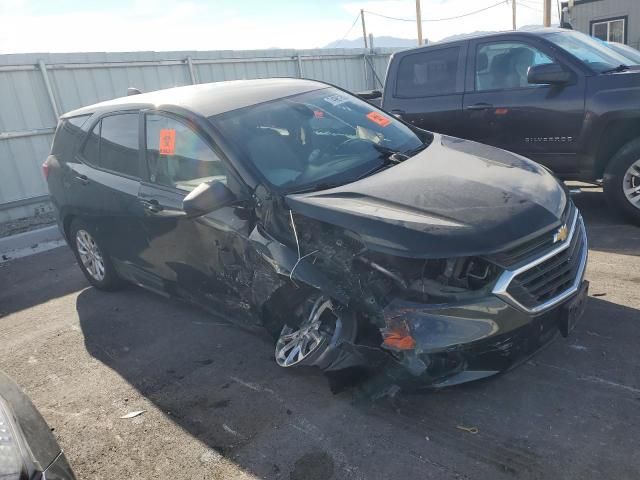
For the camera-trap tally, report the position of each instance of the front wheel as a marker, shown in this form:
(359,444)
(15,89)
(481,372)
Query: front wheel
(313,336)
(622,181)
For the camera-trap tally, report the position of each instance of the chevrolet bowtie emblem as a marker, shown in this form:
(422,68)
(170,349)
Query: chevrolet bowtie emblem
(561,235)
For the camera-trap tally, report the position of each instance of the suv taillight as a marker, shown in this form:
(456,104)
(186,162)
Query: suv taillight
(45,167)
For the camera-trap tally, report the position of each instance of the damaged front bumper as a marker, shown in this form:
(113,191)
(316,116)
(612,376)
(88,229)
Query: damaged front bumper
(530,304)
(454,344)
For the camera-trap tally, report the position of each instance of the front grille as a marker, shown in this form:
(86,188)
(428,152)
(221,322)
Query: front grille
(542,284)
(533,247)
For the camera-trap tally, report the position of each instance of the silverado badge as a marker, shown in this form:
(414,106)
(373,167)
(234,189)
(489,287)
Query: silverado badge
(561,235)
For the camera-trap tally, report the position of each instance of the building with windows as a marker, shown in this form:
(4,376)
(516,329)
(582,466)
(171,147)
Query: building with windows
(608,20)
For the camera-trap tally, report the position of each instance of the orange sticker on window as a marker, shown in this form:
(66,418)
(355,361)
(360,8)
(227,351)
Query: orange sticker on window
(378,118)
(167,141)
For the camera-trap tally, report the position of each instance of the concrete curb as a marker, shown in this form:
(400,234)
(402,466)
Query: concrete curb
(15,246)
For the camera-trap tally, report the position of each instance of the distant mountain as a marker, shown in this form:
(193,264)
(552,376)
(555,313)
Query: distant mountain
(377,42)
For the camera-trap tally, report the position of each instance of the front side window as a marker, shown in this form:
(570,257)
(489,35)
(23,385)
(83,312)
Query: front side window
(502,65)
(428,73)
(609,30)
(178,157)
(592,52)
(314,139)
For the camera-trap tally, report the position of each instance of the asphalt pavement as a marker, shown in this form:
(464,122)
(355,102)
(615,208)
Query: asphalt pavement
(217,406)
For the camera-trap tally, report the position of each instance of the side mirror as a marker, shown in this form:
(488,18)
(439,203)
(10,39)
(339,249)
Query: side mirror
(370,94)
(206,198)
(548,74)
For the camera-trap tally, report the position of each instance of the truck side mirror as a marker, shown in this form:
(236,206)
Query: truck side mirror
(548,74)
(206,198)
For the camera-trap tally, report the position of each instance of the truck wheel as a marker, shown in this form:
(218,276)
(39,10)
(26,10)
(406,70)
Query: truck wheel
(94,260)
(622,181)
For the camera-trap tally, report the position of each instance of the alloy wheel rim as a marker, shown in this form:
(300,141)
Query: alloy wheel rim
(294,346)
(631,184)
(90,255)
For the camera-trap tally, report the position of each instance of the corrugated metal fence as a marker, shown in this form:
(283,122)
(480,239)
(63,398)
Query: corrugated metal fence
(36,88)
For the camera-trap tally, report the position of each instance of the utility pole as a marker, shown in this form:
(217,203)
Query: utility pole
(364,28)
(513,14)
(419,22)
(546,19)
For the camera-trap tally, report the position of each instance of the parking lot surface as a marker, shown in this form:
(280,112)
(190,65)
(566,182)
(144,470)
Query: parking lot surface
(217,406)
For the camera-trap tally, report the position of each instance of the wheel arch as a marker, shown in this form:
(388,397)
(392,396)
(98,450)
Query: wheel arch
(616,134)
(66,225)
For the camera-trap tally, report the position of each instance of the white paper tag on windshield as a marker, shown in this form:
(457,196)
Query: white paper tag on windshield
(336,99)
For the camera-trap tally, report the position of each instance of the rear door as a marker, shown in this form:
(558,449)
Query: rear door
(202,259)
(427,87)
(542,122)
(104,186)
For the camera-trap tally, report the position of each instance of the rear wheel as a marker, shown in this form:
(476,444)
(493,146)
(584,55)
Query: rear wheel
(94,260)
(622,181)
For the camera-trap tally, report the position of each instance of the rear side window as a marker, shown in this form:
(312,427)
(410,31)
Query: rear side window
(67,137)
(113,144)
(428,73)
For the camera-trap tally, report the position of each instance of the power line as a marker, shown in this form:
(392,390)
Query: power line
(525,5)
(349,31)
(503,2)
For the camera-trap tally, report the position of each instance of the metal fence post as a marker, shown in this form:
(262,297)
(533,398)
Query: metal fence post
(366,71)
(299,60)
(192,72)
(47,84)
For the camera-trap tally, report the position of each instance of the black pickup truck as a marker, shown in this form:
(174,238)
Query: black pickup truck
(556,96)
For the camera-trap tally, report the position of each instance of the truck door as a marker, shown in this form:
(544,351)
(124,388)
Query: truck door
(541,122)
(425,87)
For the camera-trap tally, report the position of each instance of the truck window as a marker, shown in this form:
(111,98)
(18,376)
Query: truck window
(429,73)
(501,65)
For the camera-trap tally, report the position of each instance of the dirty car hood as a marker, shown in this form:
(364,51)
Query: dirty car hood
(455,198)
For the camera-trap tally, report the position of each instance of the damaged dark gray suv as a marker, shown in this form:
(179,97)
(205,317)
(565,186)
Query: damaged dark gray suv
(359,242)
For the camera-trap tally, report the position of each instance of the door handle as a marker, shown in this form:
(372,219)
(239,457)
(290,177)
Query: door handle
(398,113)
(83,179)
(152,205)
(479,106)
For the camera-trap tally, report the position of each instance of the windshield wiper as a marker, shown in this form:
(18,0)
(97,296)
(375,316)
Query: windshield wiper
(391,155)
(619,68)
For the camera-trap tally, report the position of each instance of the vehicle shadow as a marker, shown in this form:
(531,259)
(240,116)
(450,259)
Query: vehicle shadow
(33,280)
(221,385)
(608,231)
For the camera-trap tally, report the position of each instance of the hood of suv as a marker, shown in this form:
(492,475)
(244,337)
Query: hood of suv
(455,198)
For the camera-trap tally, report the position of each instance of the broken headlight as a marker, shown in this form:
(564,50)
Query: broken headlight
(434,280)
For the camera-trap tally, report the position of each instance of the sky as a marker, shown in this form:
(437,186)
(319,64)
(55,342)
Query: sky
(162,25)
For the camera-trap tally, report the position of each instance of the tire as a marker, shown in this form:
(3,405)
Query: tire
(93,259)
(622,181)
(317,328)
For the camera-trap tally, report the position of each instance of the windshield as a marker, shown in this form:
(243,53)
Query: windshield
(629,52)
(316,139)
(591,51)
